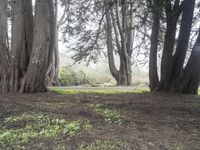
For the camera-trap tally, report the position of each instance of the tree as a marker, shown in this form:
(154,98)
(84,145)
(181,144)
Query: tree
(43,42)
(24,67)
(21,41)
(153,72)
(189,81)
(174,54)
(4,48)
(111,19)
(124,37)
(52,73)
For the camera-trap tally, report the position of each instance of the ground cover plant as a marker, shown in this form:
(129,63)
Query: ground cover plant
(95,121)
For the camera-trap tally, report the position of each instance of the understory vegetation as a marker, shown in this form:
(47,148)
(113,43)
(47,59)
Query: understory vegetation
(18,131)
(89,120)
(75,76)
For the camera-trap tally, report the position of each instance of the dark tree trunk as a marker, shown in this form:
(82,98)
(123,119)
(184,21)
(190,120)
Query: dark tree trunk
(34,80)
(190,80)
(21,42)
(166,62)
(4,52)
(183,40)
(153,73)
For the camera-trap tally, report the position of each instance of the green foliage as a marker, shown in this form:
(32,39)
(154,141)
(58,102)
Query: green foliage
(105,145)
(110,116)
(97,91)
(37,125)
(69,77)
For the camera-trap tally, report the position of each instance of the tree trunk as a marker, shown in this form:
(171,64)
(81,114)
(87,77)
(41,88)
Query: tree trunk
(190,80)
(21,41)
(110,54)
(166,62)
(125,72)
(153,73)
(4,52)
(34,80)
(183,40)
(52,74)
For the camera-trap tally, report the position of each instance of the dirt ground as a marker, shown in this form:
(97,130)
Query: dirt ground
(148,121)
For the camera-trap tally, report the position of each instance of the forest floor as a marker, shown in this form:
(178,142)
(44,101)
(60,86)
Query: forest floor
(69,120)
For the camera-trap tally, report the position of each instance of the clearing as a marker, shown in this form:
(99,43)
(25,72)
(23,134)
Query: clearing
(112,120)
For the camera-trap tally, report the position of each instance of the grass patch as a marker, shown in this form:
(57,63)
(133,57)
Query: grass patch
(97,91)
(105,145)
(37,125)
(54,104)
(111,116)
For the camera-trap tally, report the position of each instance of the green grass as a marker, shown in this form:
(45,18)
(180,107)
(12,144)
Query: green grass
(37,125)
(105,145)
(97,91)
(110,116)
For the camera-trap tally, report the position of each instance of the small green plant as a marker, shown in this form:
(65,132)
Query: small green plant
(111,116)
(105,145)
(37,125)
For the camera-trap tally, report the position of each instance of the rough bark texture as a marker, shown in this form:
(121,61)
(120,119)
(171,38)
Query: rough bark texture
(21,41)
(190,80)
(183,40)
(52,74)
(34,80)
(153,73)
(4,52)
(172,15)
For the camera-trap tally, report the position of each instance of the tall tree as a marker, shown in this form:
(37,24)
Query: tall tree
(52,73)
(183,39)
(189,81)
(172,15)
(115,19)
(43,41)
(174,55)
(21,41)
(4,51)
(156,7)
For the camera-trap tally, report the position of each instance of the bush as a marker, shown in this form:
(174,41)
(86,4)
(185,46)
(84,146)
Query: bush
(69,77)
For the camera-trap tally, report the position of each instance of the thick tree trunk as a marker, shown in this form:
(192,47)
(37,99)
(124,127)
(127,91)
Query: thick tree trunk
(153,73)
(4,52)
(21,42)
(125,72)
(190,80)
(172,15)
(183,40)
(34,80)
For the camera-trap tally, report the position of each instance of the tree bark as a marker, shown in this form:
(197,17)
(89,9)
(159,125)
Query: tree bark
(166,62)
(110,54)
(153,73)
(190,80)
(183,39)
(52,74)
(4,51)
(21,41)
(34,80)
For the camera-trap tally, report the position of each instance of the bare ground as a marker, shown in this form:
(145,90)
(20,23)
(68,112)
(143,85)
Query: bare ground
(150,121)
